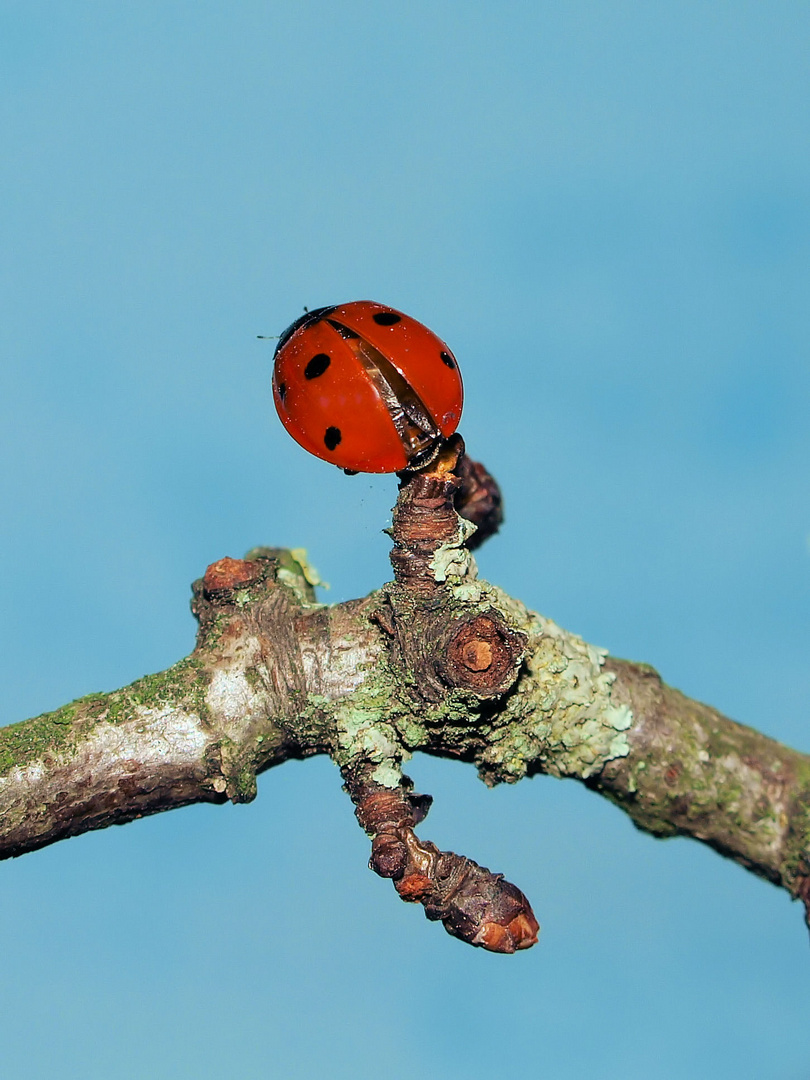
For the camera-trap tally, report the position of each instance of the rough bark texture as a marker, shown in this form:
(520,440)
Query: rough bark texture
(437,660)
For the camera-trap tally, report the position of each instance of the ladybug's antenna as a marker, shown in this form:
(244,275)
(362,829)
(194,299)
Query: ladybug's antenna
(277,337)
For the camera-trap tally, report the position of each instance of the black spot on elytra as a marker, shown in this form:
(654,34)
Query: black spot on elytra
(386,318)
(332,437)
(317,365)
(282,390)
(448,359)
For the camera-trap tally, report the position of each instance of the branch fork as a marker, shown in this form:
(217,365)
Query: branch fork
(437,661)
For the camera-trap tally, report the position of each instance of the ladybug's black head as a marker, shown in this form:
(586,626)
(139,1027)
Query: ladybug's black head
(307,319)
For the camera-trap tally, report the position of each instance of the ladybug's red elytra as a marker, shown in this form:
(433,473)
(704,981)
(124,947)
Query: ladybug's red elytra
(366,388)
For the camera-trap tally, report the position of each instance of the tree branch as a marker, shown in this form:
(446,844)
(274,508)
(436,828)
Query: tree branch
(438,661)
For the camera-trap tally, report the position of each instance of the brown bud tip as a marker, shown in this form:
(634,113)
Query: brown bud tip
(228,574)
(521,933)
(389,856)
(524,930)
(477,655)
(414,887)
(494,937)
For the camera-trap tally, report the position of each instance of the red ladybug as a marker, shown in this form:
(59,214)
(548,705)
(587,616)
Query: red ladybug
(365,387)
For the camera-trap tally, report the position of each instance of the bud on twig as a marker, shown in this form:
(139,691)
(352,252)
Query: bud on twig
(472,903)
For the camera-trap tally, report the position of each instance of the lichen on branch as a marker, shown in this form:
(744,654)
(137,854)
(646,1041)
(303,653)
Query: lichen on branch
(436,660)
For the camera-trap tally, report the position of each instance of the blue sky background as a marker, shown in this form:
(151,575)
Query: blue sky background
(604,208)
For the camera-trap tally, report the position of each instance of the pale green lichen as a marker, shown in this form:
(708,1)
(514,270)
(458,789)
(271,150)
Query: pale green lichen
(364,730)
(372,725)
(307,569)
(293,570)
(560,717)
(387,775)
(301,588)
(452,559)
(478,595)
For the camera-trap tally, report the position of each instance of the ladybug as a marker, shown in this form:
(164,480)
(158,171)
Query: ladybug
(365,387)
